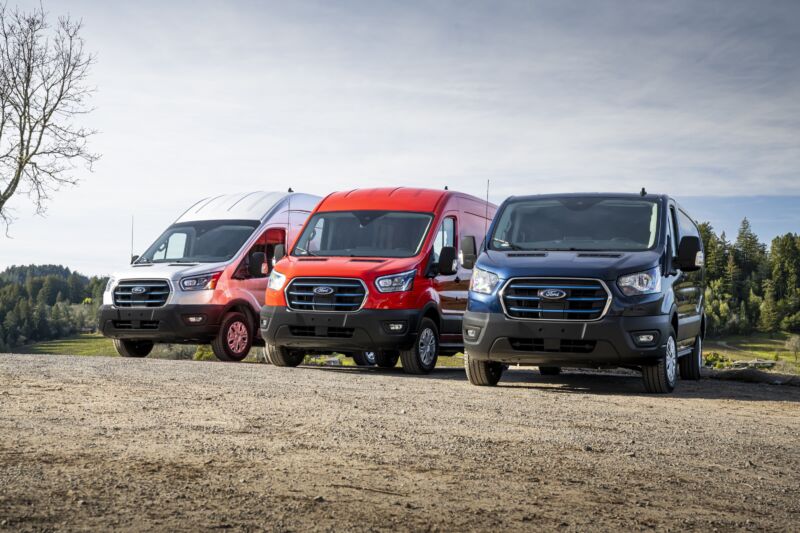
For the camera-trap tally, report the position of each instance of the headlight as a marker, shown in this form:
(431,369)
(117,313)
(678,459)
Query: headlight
(276,280)
(396,282)
(202,282)
(483,282)
(646,282)
(110,285)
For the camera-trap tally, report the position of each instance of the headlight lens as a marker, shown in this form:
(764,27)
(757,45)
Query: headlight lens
(396,282)
(110,285)
(483,281)
(203,282)
(276,280)
(647,282)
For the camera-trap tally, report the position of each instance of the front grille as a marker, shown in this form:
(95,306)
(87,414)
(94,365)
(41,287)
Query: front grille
(326,294)
(570,299)
(552,345)
(321,331)
(141,293)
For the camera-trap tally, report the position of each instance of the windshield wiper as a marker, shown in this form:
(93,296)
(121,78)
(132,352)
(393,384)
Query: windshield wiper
(304,251)
(509,245)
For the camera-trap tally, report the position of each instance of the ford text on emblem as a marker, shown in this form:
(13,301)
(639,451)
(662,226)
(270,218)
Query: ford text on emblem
(138,290)
(323,291)
(552,294)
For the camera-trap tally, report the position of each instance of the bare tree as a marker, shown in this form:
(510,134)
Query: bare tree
(43,92)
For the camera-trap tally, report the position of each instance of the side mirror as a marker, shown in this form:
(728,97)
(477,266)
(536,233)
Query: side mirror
(280,253)
(134,258)
(467,255)
(447,261)
(257,260)
(690,254)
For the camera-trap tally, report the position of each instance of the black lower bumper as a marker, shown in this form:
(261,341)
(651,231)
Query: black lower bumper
(161,324)
(367,329)
(609,341)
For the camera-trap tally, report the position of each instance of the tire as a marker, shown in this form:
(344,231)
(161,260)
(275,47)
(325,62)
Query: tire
(386,359)
(364,358)
(234,339)
(482,373)
(690,365)
(421,358)
(549,370)
(660,378)
(283,356)
(129,348)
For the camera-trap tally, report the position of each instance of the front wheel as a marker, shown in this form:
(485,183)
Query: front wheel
(282,356)
(421,358)
(482,373)
(129,348)
(386,359)
(234,339)
(660,378)
(691,364)
(364,358)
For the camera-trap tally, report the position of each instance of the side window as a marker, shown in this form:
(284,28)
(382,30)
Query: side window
(266,245)
(687,225)
(446,236)
(173,248)
(673,232)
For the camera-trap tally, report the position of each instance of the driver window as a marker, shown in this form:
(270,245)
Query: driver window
(673,230)
(446,236)
(266,245)
(173,248)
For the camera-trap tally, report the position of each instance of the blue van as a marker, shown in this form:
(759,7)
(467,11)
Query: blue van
(587,280)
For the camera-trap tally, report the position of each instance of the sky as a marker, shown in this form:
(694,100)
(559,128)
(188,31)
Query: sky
(700,100)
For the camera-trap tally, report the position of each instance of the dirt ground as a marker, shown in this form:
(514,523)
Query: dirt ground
(96,443)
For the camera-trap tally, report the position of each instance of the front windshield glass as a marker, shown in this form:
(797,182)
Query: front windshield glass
(363,234)
(577,223)
(206,241)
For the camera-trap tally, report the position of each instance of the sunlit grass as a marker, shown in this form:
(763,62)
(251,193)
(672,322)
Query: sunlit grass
(83,344)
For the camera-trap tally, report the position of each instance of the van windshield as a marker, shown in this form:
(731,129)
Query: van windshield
(205,241)
(363,234)
(586,223)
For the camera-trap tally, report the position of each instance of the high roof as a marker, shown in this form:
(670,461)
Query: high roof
(397,198)
(255,205)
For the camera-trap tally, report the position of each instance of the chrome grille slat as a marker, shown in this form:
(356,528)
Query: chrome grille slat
(584,299)
(347,295)
(155,294)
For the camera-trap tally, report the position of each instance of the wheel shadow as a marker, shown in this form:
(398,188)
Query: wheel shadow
(600,383)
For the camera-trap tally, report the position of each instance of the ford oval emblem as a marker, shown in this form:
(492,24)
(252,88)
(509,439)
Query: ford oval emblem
(323,291)
(552,294)
(138,290)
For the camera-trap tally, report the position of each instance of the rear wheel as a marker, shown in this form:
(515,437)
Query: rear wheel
(234,339)
(387,359)
(482,373)
(549,370)
(129,348)
(283,356)
(660,378)
(364,358)
(691,364)
(422,356)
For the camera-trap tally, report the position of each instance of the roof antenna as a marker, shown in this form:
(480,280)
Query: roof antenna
(643,192)
(446,188)
(290,190)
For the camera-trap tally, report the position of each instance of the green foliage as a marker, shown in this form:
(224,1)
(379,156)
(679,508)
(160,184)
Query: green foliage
(43,302)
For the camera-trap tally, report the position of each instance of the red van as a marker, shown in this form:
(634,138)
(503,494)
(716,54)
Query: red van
(379,275)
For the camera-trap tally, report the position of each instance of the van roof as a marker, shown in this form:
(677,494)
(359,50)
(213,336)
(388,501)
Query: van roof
(587,194)
(397,198)
(255,205)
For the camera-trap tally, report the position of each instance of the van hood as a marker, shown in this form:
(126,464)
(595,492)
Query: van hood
(344,267)
(603,265)
(170,271)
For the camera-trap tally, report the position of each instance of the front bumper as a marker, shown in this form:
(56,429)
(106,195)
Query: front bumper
(608,341)
(367,329)
(161,324)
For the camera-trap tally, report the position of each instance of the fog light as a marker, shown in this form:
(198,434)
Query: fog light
(195,319)
(645,338)
(395,327)
(472,332)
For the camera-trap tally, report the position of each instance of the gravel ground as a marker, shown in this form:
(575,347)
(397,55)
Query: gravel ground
(101,443)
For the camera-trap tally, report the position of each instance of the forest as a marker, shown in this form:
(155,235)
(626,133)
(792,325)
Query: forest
(750,287)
